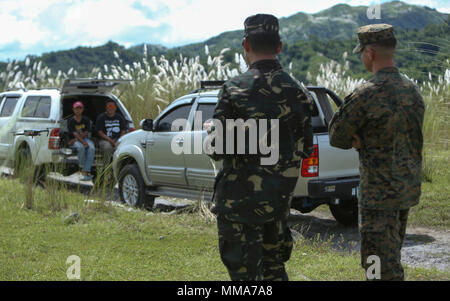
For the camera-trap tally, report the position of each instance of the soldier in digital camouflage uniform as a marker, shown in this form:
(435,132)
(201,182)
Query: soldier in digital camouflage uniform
(252,201)
(383,119)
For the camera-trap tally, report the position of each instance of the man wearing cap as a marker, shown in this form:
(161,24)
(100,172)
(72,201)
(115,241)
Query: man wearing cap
(383,120)
(79,127)
(252,200)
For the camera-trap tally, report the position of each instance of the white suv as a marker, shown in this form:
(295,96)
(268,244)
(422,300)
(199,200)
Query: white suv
(33,123)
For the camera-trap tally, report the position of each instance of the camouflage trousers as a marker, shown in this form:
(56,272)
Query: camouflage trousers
(255,252)
(382,234)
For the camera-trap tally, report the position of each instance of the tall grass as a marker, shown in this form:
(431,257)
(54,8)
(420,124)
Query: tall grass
(436,94)
(155,82)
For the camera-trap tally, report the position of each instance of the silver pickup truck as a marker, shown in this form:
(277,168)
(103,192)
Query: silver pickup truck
(145,165)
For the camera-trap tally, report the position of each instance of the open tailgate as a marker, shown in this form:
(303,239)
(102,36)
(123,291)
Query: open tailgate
(90,85)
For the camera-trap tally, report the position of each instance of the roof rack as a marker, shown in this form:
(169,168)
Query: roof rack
(33,89)
(16,89)
(47,88)
(208,84)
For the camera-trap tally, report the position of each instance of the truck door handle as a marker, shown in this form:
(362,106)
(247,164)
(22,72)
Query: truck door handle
(179,141)
(144,143)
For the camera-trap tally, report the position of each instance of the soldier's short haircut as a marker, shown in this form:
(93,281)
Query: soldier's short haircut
(388,45)
(391,43)
(385,48)
(264,43)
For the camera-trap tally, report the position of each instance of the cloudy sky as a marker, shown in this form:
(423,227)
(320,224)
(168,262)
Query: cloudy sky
(37,26)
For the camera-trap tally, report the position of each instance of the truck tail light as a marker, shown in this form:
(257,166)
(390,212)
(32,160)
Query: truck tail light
(310,166)
(130,130)
(53,141)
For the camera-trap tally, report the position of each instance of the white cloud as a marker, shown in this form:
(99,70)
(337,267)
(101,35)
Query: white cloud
(100,19)
(201,19)
(44,25)
(442,6)
(23,31)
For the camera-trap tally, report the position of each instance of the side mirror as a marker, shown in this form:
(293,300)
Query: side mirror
(146,124)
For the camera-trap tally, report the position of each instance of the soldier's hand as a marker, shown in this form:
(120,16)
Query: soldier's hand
(356,142)
(207,126)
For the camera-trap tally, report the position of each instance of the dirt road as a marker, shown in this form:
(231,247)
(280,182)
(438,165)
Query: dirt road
(423,247)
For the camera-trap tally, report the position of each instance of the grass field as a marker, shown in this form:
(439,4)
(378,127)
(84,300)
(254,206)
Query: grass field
(114,244)
(434,207)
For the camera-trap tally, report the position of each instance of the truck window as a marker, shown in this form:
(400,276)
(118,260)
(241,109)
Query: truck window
(8,106)
(30,106)
(165,124)
(43,108)
(37,106)
(328,102)
(207,111)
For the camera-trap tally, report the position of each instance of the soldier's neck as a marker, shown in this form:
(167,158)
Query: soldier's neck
(260,57)
(382,64)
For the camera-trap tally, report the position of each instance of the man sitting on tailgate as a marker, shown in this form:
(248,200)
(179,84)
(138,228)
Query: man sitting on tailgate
(109,127)
(79,128)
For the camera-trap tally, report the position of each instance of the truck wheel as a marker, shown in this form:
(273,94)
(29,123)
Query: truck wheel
(132,188)
(346,212)
(23,165)
(22,162)
(40,175)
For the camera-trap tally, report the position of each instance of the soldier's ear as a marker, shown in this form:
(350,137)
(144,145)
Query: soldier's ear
(371,53)
(246,45)
(279,47)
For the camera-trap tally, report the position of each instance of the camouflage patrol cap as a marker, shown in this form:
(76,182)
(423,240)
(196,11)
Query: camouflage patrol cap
(261,23)
(373,33)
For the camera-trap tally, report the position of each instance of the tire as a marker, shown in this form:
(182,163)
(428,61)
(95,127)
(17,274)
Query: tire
(132,188)
(22,162)
(346,213)
(40,175)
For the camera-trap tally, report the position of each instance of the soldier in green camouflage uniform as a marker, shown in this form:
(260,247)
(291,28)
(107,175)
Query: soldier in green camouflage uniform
(383,119)
(252,200)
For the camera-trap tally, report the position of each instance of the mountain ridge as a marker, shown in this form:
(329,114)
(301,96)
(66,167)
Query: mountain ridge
(309,39)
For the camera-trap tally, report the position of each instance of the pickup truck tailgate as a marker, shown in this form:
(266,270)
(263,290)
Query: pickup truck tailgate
(335,162)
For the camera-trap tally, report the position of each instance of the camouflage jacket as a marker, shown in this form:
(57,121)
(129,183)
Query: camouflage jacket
(387,114)
(247,191)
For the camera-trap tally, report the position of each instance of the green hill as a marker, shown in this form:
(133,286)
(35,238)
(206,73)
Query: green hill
(309,39)
(338,22)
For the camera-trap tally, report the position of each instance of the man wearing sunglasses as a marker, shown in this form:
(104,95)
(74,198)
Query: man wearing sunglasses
(109,127)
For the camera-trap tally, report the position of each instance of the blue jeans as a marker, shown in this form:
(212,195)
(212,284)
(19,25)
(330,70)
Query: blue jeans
(85,155)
